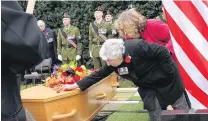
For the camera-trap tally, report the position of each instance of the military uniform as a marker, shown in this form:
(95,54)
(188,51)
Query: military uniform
(69,43)
(97,35)
(96,41)
(113,33)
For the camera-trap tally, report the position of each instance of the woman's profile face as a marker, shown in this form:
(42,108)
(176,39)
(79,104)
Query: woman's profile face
(115,62)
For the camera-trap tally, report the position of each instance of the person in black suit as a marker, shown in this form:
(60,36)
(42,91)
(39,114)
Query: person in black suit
(149,66)
(23,45)
(51,39)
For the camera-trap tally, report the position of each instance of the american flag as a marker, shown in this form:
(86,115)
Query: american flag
(188,23)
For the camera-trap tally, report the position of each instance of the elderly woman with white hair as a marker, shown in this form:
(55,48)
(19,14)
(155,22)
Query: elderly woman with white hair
(149,66)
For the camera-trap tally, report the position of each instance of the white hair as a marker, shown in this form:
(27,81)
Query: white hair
(40,22)
(112,49)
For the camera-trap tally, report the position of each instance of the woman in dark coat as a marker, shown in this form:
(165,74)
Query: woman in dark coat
(149,66)
(23,46)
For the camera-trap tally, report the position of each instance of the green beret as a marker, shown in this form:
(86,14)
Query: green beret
(67,15)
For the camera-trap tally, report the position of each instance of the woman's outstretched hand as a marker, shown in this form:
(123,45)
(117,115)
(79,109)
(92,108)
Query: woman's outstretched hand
(67,87)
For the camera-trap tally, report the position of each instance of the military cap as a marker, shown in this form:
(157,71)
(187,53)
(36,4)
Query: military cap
(108,12)
(67,15)
(99,8)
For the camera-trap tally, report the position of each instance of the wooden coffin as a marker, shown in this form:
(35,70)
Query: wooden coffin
(46,105)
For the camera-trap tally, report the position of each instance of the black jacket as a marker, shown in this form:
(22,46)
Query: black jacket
(52,41)
(23,45)
(151,68)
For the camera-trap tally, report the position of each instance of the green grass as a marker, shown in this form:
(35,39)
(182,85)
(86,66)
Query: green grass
(123,83)
(24,86)
(130,116)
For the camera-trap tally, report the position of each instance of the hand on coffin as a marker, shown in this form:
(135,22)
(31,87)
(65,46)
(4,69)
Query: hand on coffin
(68,87)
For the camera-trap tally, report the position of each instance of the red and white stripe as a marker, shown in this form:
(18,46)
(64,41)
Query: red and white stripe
(188,23)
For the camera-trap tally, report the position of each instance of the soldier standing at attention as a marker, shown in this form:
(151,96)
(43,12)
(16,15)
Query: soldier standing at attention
(97,35)
(109,19)
(69,46)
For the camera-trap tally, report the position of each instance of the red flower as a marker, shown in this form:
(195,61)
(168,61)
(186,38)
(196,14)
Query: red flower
(128,59)
(64,74)
(76,78)
(79,69)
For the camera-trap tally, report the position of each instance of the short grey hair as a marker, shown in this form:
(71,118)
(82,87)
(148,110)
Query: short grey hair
(112,49)
(40,22)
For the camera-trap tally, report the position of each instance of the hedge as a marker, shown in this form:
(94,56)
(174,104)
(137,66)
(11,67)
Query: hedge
(82,14)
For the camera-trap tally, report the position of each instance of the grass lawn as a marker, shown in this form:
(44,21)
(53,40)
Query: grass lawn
(130,116)
(24,86)
(123,83)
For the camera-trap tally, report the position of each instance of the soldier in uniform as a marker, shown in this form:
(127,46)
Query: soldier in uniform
(69,46)
(109,19)
(97,35)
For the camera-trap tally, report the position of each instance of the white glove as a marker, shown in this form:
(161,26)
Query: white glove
(78,57)
(60,57)
(90,54)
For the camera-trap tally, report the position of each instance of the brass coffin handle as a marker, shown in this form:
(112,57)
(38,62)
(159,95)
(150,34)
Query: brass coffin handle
(63,116)
(100,96)
(115,84)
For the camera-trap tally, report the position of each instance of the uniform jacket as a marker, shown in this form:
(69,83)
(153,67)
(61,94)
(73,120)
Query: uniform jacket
(66,49)
(95,41)
(151,68)
(23,46)
(113,33)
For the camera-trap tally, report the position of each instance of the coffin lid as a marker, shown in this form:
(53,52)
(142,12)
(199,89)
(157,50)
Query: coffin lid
(45,94)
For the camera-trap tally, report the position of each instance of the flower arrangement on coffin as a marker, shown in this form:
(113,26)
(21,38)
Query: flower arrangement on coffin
(66,74)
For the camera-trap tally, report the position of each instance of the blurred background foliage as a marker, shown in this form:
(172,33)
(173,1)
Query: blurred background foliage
(83,14)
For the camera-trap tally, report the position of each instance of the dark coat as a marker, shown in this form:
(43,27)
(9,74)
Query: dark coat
(52,41)
(23,46)
(151,68)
